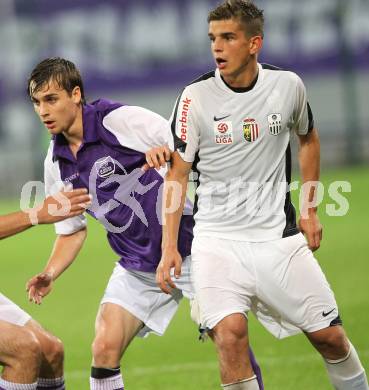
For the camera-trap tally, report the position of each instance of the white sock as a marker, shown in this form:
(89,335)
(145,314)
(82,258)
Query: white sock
(347,373)
(112,383)
(5,385)
(246,384)
(50,384)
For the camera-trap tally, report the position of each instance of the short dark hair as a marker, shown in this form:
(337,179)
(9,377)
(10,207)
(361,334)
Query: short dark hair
(60,70)
(251,17)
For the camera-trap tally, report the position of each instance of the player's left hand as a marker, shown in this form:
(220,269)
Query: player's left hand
(157,157)
(312,229)
(39,286)
(171,259)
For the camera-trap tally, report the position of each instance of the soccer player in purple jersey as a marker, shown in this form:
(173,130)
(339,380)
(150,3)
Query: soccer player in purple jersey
(101,146)
(32,357)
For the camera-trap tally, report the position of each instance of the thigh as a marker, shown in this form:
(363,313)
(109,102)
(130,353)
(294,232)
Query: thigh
(138,294)
(223,284)
(116,326)
(292,284)
(46,339)
(52,350)
(12,313)
(331,342)
(13,340)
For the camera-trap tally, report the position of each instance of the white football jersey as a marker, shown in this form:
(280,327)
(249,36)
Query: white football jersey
(239,143)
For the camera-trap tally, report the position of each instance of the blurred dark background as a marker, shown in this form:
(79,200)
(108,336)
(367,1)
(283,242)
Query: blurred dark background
(143,52)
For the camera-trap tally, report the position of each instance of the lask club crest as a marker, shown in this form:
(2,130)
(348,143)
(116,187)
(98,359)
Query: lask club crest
(105,166)
(275,123)
(250,130)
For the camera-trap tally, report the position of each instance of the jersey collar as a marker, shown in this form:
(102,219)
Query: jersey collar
(226,87)
(90,134)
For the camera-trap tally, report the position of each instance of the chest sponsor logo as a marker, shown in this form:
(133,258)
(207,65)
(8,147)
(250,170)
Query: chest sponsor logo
(105,166)
(275,123)
(223,132)
(250,129)
(184,109)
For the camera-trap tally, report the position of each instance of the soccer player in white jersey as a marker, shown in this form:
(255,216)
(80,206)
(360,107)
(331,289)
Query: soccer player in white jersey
(32,357)
(248,253)
(101,146)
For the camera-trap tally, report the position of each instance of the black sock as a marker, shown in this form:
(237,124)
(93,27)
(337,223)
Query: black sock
(102,373)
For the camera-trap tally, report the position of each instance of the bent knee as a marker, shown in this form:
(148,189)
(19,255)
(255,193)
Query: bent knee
(231,332)
(331,342)
(105,353)
(27,350)
(54,351)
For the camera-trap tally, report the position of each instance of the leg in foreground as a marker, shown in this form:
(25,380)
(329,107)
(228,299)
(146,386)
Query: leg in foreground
(20,354)
(115,329)
(52,358)
(344,368)
(231,339)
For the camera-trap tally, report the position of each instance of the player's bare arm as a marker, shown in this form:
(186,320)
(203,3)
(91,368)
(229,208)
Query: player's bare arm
(14,223)
(65,204)
(171,258)
(157,157)
(309,160)
(54,209)
(66,249)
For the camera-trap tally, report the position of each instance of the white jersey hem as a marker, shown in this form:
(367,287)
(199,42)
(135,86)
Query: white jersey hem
(238,236)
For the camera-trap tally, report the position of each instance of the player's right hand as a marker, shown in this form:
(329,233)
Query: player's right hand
(157,157)
(171,259)
(312,229)
(39,286)
(64,204)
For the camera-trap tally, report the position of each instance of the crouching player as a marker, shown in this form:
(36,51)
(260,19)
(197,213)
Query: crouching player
(31,357)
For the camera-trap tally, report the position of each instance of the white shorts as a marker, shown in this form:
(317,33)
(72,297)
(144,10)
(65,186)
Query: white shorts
(138,293)
(279,281)
(10,312)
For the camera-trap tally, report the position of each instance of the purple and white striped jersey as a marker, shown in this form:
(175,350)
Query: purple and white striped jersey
(126,200)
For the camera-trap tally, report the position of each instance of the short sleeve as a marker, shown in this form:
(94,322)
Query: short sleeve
(184,126)
(303,116)
(138,128)
(54,184)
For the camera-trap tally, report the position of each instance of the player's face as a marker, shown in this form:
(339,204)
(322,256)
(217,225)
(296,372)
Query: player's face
(57,108)
(231,48)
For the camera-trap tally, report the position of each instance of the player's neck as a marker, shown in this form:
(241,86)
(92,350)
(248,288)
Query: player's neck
(74,135)
(245,78)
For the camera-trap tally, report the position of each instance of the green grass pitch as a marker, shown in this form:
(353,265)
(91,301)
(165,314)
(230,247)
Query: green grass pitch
(177,360)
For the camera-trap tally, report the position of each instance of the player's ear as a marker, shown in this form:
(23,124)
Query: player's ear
(256,43)
(76,95)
